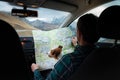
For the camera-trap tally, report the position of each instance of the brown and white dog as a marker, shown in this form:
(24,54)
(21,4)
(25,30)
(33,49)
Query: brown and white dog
(54,53)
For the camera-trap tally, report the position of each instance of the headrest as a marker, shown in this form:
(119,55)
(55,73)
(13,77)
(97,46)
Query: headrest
(109,23)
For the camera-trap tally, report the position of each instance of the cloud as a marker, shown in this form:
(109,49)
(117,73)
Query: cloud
(33,19)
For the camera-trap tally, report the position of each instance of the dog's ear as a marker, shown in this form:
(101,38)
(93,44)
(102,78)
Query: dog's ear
(52,52)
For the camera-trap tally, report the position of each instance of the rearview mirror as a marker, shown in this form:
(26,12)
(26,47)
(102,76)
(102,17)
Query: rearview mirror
(24,13)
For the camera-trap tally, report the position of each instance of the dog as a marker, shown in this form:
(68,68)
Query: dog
(54,53)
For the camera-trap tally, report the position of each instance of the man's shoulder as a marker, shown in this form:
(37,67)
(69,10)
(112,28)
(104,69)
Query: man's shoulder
(68,56)
(64,61)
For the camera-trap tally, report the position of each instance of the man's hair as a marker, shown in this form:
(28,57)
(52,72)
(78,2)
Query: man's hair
(87,26)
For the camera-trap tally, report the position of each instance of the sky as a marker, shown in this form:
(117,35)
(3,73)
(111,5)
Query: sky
(48,15)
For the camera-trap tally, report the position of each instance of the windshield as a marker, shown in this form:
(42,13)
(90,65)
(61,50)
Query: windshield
(47,19)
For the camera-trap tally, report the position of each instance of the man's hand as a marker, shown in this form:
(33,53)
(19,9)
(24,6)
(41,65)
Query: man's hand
(74,41)
(34,67)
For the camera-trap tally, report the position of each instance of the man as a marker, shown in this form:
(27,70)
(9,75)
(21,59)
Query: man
(68,64)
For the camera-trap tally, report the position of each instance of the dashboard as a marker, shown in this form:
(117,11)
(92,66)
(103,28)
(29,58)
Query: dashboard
(28,48)
(29,52)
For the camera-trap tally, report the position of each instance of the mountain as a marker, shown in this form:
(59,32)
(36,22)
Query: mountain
(43,25)
(24,24)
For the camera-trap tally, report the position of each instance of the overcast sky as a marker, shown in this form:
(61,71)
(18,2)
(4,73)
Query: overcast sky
(44,14)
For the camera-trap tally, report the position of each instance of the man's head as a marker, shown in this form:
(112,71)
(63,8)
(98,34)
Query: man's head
(86,29)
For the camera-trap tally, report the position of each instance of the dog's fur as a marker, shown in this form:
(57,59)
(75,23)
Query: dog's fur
(55,52)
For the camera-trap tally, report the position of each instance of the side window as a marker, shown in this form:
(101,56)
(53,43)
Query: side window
(73,26)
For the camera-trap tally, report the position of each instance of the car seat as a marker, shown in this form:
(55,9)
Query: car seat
(13,65)
(103,63)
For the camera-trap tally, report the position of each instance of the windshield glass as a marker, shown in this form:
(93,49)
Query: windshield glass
(47,19)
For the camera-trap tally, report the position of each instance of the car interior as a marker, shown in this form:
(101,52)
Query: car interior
(101,64)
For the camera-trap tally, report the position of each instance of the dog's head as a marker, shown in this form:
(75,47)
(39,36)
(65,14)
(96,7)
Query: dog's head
(55,52)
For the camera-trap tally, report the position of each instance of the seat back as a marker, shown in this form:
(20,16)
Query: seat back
(103,63)
(13,64)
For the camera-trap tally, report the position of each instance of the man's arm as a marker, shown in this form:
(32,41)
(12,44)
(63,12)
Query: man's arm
(61,71)
(35,70)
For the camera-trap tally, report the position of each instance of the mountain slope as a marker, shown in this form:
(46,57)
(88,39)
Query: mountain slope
(22,28)
(15,22)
